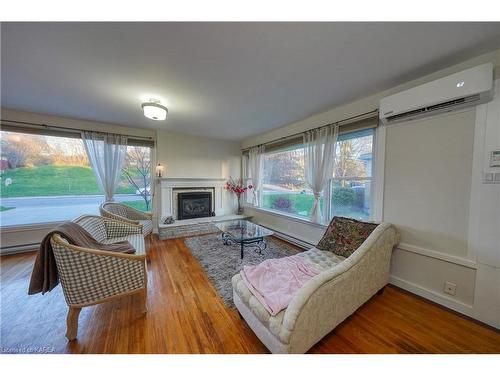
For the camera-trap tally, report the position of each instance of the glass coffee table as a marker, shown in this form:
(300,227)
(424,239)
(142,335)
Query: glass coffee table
(245,234)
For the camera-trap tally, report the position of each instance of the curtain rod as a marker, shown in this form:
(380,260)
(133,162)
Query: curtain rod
(374,111)
(74,130)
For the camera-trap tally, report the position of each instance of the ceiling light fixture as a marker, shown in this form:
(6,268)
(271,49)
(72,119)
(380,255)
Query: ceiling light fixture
(154,110)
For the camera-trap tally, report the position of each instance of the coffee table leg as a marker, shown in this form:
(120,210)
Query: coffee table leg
(241,249)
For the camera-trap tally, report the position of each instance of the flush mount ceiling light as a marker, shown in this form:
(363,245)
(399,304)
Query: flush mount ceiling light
(154,110)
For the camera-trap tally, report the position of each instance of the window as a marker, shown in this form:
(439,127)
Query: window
(283,183)
(47,178)
(349,192)
(351,186)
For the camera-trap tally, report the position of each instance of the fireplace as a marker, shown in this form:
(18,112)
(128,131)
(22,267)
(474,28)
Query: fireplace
(222,202)
(191,205)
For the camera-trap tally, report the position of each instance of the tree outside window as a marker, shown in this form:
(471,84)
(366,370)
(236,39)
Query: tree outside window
(137,174)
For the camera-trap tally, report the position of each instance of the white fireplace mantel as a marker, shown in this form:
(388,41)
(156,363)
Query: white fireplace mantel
(224,202)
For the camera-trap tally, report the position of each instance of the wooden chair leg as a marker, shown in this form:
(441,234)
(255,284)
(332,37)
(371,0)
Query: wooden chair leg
(72,322)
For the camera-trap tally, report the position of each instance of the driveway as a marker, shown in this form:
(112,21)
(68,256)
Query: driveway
(29,210)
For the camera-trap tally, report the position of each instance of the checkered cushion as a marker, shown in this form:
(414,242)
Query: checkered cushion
(117,209)
(88,278)
(136,240)
(95,225)
(116,228)
(147,226)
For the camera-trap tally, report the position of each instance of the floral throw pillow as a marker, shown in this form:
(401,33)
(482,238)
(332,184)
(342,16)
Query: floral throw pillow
(343,236)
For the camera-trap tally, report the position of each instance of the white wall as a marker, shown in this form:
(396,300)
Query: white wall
(185,156)
(484,217)
(428,167)
(188,156)
(431,194)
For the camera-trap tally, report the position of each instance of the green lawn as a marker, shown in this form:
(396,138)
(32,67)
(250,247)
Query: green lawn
(301,204)
(50,180)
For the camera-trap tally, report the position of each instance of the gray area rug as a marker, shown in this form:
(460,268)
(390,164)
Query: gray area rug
(221,262)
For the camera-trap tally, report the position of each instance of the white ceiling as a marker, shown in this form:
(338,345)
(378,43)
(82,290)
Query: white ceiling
(221,80)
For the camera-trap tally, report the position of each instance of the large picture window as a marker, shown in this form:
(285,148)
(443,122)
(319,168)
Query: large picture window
(349,191)
(48,179)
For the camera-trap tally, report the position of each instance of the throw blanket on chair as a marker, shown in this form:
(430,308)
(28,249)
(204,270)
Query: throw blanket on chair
(274,282)
(44,276)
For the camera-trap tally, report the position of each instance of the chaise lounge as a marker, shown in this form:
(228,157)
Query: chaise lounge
(325,300)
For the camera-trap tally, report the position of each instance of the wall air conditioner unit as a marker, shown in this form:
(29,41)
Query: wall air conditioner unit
(464,89)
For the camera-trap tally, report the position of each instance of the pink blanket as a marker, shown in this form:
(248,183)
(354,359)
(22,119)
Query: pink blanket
(274,282)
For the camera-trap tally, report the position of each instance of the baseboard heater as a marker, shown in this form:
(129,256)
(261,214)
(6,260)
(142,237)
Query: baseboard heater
(291,239)
(19,249)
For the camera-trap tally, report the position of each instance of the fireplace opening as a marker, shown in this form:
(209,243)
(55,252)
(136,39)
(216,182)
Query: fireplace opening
(193,205)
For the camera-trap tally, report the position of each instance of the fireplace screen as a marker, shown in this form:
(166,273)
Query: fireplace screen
(193,205)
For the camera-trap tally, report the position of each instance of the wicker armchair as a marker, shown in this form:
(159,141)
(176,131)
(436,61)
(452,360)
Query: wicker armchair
(128,214)
(89,276)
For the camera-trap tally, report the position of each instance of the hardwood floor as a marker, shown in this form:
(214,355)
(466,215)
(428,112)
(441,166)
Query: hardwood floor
(186,315)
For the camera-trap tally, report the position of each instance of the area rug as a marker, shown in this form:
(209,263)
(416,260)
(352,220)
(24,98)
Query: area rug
(221,262)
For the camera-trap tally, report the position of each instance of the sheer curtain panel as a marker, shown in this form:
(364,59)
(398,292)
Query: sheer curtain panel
(319,157)
(255,167)
(106,153)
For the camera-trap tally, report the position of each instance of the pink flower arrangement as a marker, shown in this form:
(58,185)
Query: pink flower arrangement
(236,186)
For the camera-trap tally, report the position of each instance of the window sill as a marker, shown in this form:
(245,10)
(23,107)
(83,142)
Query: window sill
(29,227)
(296,218)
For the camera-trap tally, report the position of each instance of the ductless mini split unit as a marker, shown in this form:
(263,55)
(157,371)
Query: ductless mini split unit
(464,89)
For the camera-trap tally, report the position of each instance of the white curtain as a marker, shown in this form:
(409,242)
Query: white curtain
(106,153)
(255,166)
(319,158)
(152,184)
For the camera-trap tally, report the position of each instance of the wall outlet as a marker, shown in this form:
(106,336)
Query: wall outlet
(450,288)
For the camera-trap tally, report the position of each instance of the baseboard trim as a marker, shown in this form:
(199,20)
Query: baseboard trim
(433,296)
